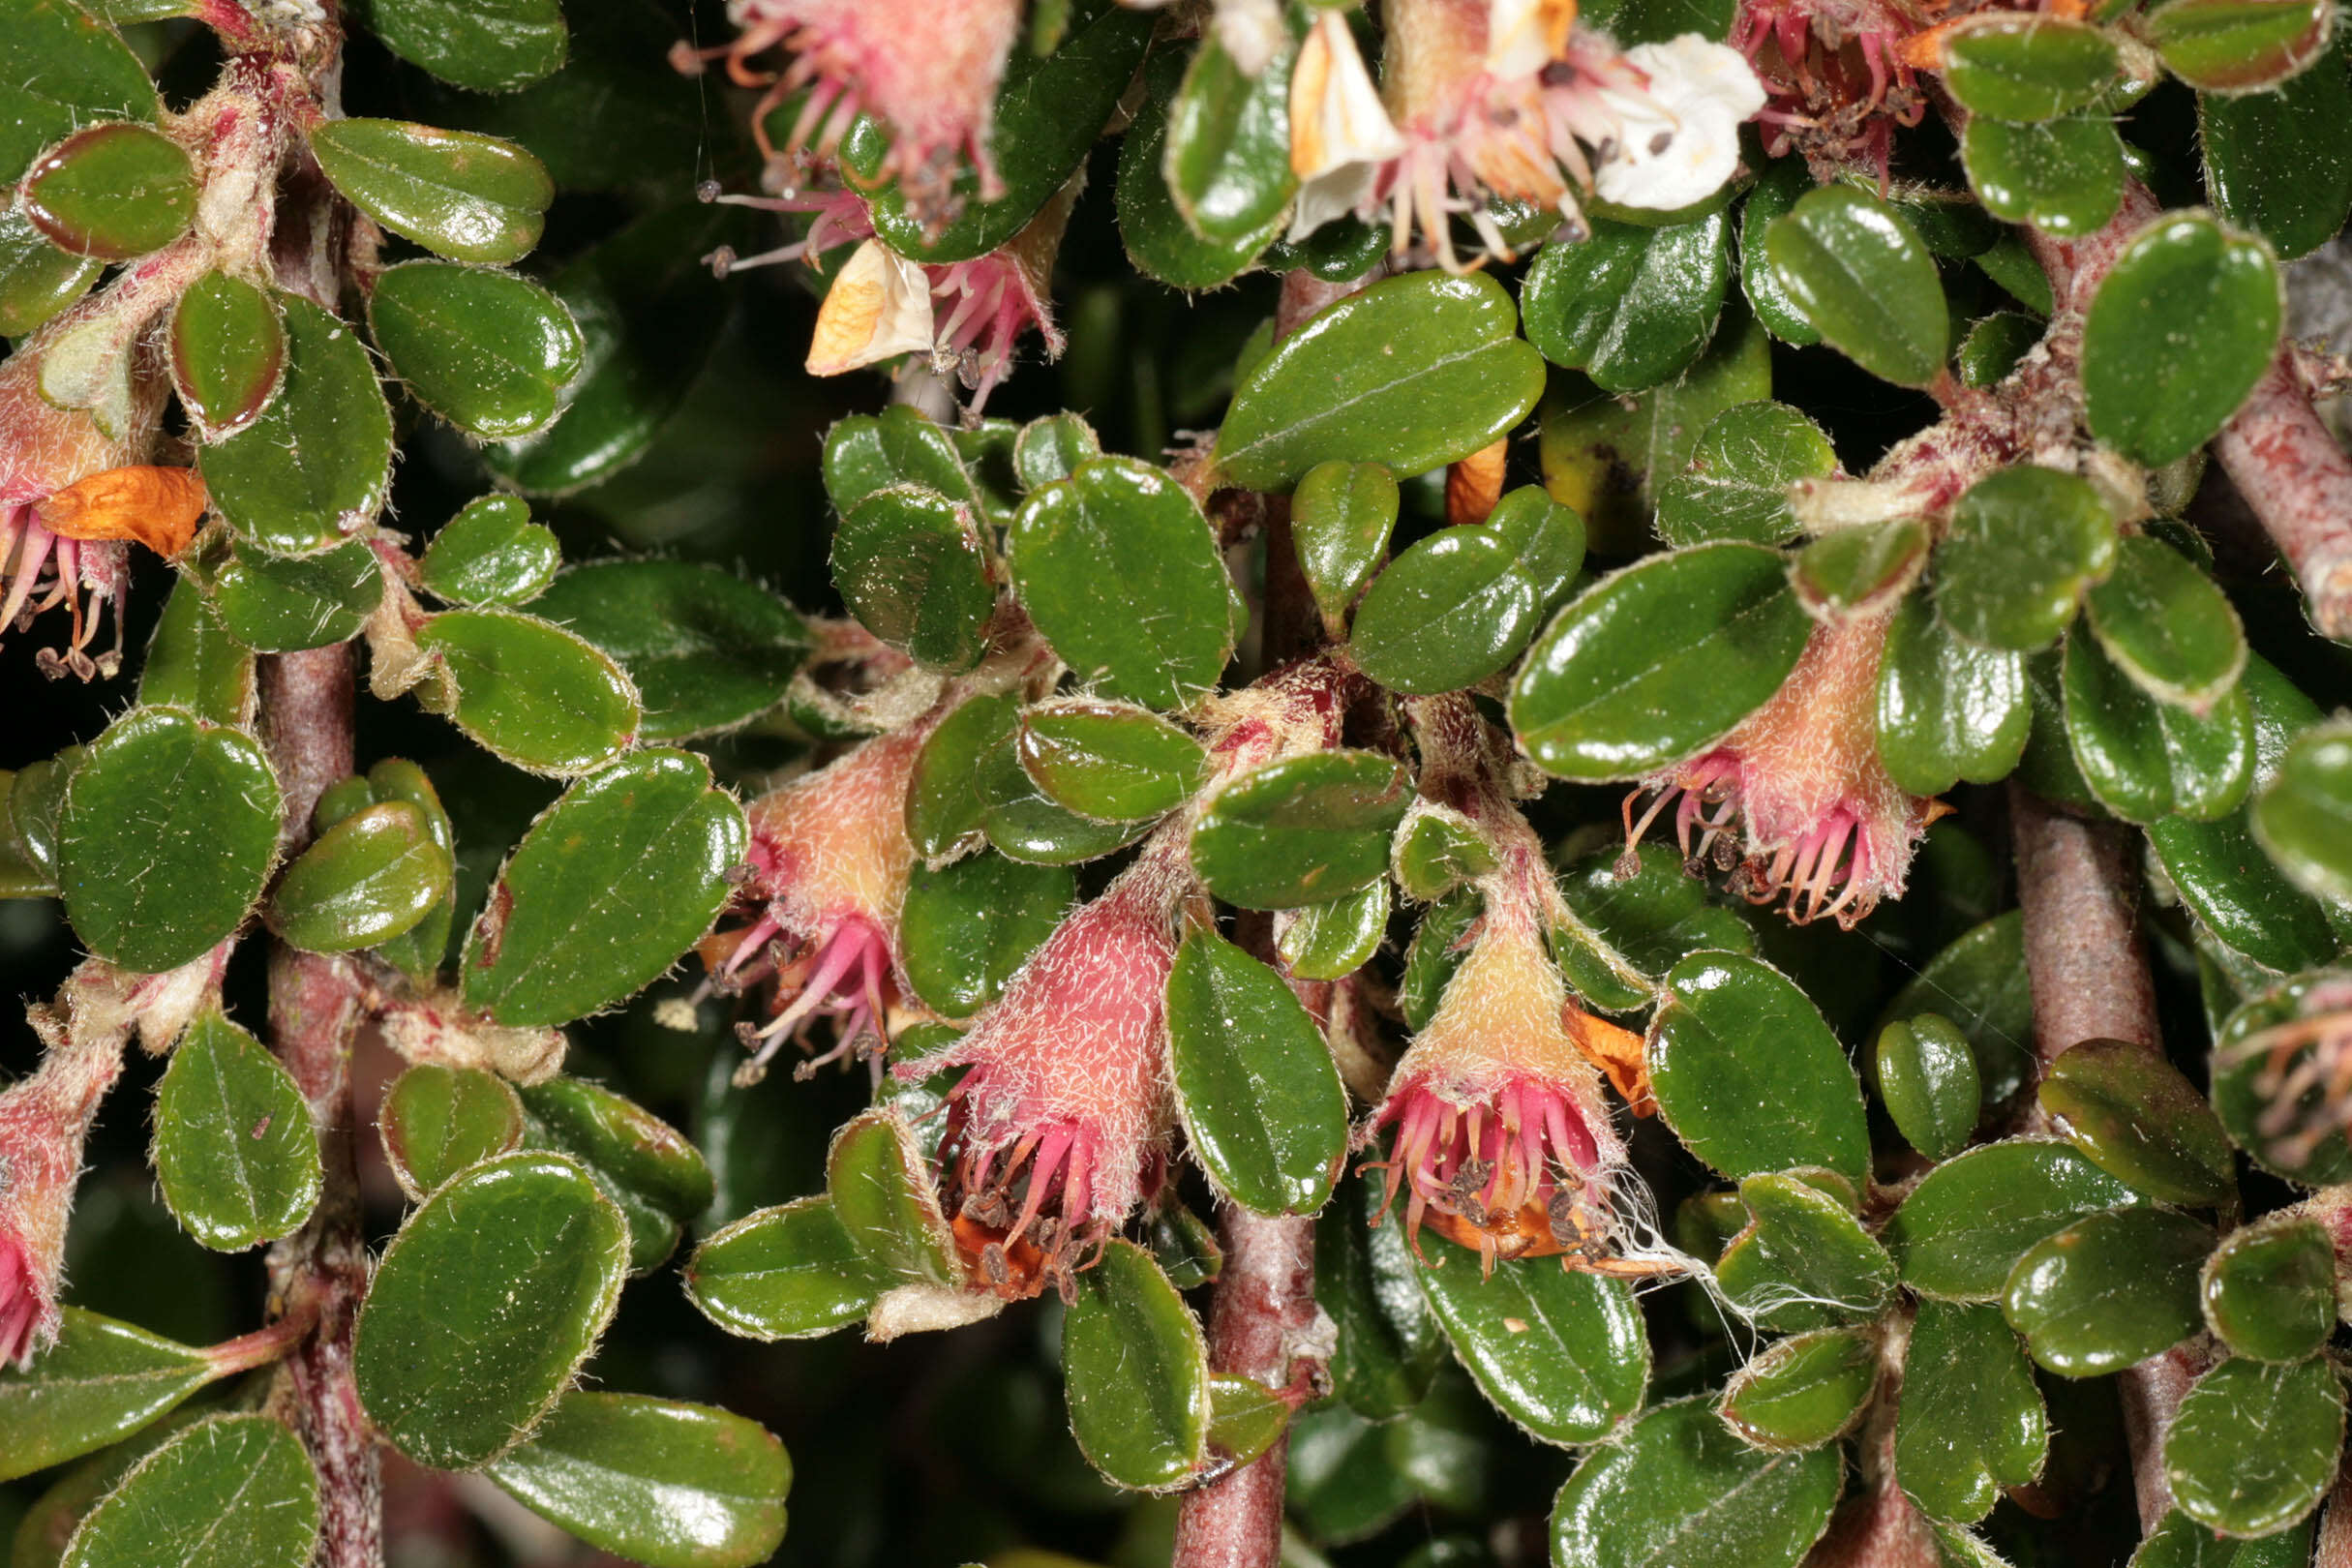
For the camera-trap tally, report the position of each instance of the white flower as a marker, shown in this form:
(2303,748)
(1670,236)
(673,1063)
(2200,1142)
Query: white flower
(878,306)
(1340,131)
(1678,140)
(1523,36)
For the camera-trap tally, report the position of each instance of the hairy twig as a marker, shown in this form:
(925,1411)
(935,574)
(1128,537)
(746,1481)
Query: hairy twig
(2089,970)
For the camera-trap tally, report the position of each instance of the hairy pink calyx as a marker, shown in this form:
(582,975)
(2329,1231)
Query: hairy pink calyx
(1794,802)
(1836,75)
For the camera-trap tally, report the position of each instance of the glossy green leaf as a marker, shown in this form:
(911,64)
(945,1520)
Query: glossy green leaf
(1244,1418)
(2239,894)
(1438,849)
(2230,46)
(317,464)
(654,1481)
(36,278)
(1948,708)
(611,885)
(1652,663)
(1563,1353)
(1856,270)
(2269,1290)
(2255,1446)
(944,805)
(1108,760)
(1958,1233)
(2180,1542)
(1994,346)
(1051,447)
(60,69)
(1121,573)
(1737,486)
(1228,162)
(866,453)
(227,351)
(1021,823)
(416,952)
(1342,515)
(437,1120)
(2016,67)
(1160,241)
(490,553)
(235,1150)
(1972,1421)
(1777,188)
(1630,307)
(112,192)
(465,196)
(1803,1391)
(786,1273)
(484,1306)
(1301,830)
(490,352)
(1334,939)
(1048,112)
(882,1196)
(1650,920)
(1681,1487)
(2146,760)
(1459,605)
(1261,1103)
(2274,162)
(531,693)
(1803,1260)
(2167,625)
(2304,817)
(2022,546)
(234,1492)
(2108,1291)
(651,1172)
(2063,176)
(1136,1372)
(2182,327)
(967,926)
(1412,372)
(706,649)
(2137,1118)
(169,829)
(1858,571)
(282,604)
(1748,1074)
(101,1381)
(488,45)
(910,565)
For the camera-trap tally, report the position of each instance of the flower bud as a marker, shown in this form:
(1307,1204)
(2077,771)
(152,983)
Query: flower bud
(44,1120)
(1796,801)
(1065,1115)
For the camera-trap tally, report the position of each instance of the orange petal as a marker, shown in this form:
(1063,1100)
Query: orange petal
(159,507)
(1617,1054)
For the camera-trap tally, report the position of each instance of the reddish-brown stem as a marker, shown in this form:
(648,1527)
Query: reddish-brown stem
(2299,483)
(321,1271)
(2089,971)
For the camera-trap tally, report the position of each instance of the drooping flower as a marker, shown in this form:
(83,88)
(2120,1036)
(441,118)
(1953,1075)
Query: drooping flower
(1796,801)
(1838,79)
(2302,1037)
(1062,1119)
(1500,1140)
(928,70)
(1504,100)
(72,501)
(830,858)
(45,1120)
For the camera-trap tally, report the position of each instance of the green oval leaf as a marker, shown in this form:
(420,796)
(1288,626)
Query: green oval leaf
(1340,518)
(2230,46)
(2022,546)
(2254,1446)
(531,693)
(1108,760)
(365,881)
(2108,1291)
(2304,817)
(1804,1390)
(101,1381)
(1681,1487)
(2138,1119)
(1748,1074)
(165,838)
(228,349)
(1135,1372)
(437,1120)
(2063,176)
(490,553)
(487,350)
(1412,372)
(488,45)
(1958,1233)
(234,1492)
(1971,1422)
(2016,67)
(112,192)
(2180,330)
(656,1481)
(613,882)
(235,1150)
(283,604)
(1737,486)
(1301,830)
(2146,760)
(465,196)
(2274,162)
(967,926)
(910,565)
(1160,243)
(1262,1107)
(786,1273)
(1948,708)
(1631,307)
(1856,270)
(2269,1290)
(484,1306)
(1121,572)
(882,1196)
(2168,625)
(1563,1353)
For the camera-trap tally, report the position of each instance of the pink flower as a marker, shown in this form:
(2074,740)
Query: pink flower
(1501,1141)
(1062,1119)
(1838,79)
(1796,799)
(830,858)
(928,70)
(44,1120)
